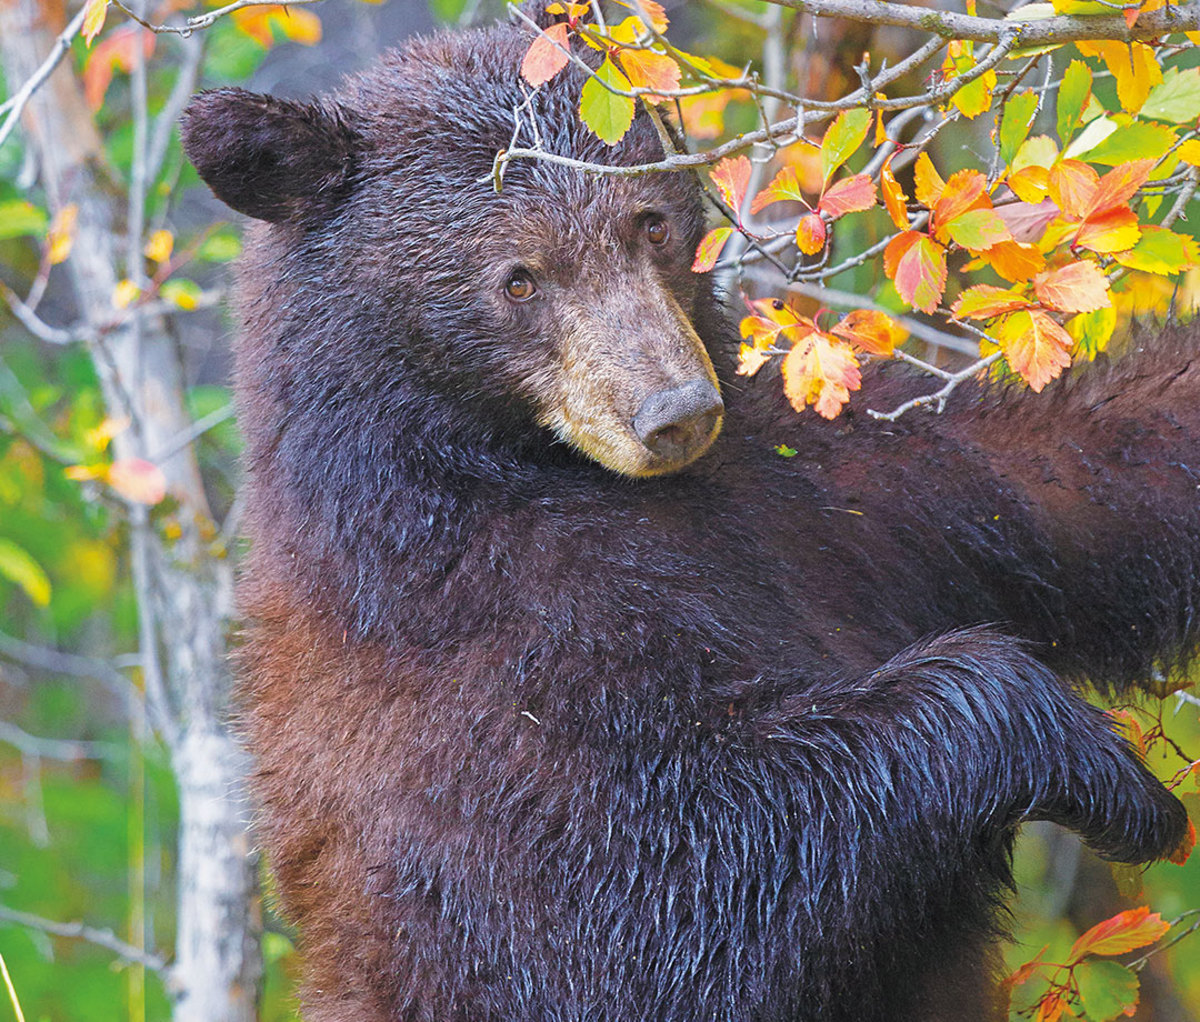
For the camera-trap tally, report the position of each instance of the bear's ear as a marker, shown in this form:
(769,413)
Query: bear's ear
(272,159)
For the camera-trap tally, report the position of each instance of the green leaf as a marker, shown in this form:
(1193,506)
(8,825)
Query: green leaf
(1073,96)
(605,113)
(1160,251)
(1136,141)
(18,218)
(844,135)
(1105,988)
(220,248)
(1015,123)
(1091,332)
(1176,98)
(17,566)
(978,229)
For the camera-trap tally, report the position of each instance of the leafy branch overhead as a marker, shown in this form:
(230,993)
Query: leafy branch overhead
(1033,248)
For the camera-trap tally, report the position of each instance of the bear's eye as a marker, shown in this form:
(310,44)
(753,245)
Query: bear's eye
(658,231)
(520,286)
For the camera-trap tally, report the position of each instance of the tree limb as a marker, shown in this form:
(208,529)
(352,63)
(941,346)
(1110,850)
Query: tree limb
(80,931)
(952,25)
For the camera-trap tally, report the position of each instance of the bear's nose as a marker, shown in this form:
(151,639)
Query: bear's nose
(673,423)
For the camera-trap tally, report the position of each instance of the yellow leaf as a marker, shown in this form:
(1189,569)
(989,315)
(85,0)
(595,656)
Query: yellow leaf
(1189,152)
(93,19)
(61,234)
(126,294)
(18,566)
(1134,65)
(101,436)
(159,246)
(821,371)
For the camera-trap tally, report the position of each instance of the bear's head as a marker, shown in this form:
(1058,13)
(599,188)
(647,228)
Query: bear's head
(395,262)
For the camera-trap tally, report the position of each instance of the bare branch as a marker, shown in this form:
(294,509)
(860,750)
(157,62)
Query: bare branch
(64,750)
(938,398)
(16,105)
(53,661)
(80,931)
(201,21)
(952,25)
(193,432)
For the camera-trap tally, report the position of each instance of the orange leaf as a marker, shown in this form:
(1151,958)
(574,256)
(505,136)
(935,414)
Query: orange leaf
(93,19)
(116,52)
(965,191)
(820,371)
(1126,931)
(1120,185)
(1182,853)
(983,301)
(871,331)
(1037,348)
(649,70)
(296,24)
(751,359)
(1030,183)
(928,182)
(732,177)
(1134,65)
(893,196)
(849,195)
(137,480)
(655,12)
(543,60)
(709,250)
(1050,1008)
(1114,231)
(784,187)
(1071,186)
(811,233)
(1014,261)
(770,318)
(1077,287)
(920,269)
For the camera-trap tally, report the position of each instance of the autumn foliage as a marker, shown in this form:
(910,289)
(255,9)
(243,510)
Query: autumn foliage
(1034,255)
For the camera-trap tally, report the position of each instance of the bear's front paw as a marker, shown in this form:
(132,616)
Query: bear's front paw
(1119,808)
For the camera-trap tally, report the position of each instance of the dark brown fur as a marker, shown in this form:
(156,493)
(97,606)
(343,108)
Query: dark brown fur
(539,741)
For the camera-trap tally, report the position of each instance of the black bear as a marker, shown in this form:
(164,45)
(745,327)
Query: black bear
(571,699)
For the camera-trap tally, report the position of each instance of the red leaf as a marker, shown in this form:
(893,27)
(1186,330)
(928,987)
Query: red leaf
(1126,931)
(1120,185)
(709,250)
(732,177)
(849,195)
(962,193)
(1181,854)
(543,60)
(920,269)
(649,70)
(811,233)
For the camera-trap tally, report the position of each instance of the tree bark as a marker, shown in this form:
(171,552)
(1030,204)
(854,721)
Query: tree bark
(184,586)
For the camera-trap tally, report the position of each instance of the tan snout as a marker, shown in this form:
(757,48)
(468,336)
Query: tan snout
(636,390)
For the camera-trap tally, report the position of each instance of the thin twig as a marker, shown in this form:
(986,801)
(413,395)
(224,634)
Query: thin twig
(81,931)
(63,750)
(16,105)
(938,398)
(196,430)
(54,661)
